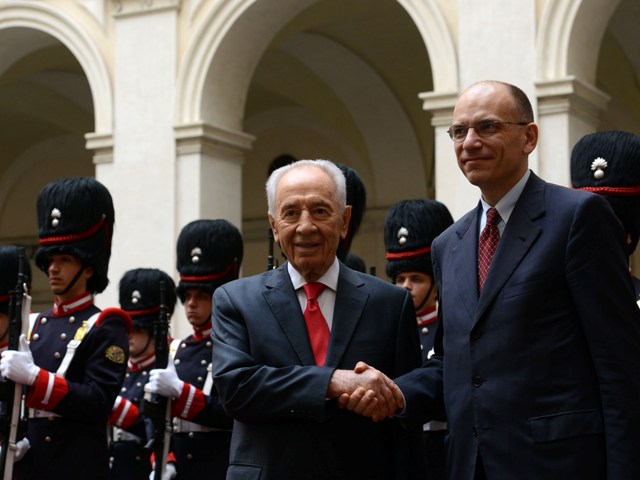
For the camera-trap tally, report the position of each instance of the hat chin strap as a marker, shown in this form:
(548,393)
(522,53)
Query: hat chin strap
(149,335)
(426,297)
(73,281)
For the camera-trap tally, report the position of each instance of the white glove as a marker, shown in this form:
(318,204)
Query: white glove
(18,365)
(169,472)
(164,382)
(21,449)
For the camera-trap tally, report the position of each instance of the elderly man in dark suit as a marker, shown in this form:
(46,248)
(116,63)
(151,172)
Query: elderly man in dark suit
(537,345)
(278,375)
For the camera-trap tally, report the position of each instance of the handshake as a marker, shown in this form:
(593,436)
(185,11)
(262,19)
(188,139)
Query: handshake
(366,391)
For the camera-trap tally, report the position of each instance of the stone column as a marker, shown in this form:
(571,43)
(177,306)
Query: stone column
(138,163)
(209,173)
(568,109)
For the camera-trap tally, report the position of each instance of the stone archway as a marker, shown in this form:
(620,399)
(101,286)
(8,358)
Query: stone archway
(44,18)
(55,89)
(218,67)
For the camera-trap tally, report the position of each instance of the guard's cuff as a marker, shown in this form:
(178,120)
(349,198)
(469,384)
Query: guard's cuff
(124,414)
(171,458)
(190,402)
(47,392)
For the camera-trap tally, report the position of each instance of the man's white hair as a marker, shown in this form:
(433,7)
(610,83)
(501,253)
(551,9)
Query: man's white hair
(330,168)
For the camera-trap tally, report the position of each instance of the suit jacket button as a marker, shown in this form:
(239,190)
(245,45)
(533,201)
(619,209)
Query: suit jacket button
(477,381)
(47,439)
(474,431)
(476,334)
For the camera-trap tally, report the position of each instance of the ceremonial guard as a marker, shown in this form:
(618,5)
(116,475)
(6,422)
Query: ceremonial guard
(76,359)
(209,254)
(140,298)
(9,267)
(608,163)
(410,227)
(8,279)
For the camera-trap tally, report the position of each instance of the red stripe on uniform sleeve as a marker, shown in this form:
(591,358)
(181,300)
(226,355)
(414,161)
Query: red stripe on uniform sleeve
(124,414)
(189,404)
(47,392)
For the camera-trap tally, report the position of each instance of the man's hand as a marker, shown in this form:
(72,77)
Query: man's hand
(164,382)
(21,447)
(18,365)
(366,391)
(169,473)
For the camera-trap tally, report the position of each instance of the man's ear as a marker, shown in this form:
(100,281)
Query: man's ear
(531,140)
(274,228)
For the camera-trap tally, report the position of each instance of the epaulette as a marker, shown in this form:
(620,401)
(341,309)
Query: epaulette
(113,312)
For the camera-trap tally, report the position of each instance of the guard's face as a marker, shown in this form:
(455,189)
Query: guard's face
(308,224)
(197,306)
(418,284)
(62,270)
(138,340)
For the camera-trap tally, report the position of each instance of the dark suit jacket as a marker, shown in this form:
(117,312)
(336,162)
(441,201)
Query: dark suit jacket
(265,374)
(541,370)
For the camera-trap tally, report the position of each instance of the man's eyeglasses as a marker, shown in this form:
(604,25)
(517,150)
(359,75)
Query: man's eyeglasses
(484,129)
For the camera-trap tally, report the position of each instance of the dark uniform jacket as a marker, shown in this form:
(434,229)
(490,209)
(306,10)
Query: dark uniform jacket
(132,431)
(203,429)
(67,427)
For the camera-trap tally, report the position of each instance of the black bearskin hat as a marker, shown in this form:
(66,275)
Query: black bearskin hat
(75,216)
(357,198)
(209,255)
(608,163)
(9,260)
(139,295)
(409,229)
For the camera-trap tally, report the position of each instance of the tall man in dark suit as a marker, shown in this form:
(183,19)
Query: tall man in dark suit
(539,361)
(279,389)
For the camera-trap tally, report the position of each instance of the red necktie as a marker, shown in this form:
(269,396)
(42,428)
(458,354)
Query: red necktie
(316,324)
(487,245)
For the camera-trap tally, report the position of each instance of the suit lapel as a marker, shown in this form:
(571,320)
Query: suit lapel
(464,261)
(350,302)
(283,302)
(521,232)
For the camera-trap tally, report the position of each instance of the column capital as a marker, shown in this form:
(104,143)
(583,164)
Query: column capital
(571,95)
(440,104)
(102,146)
(209,139)
(127,8)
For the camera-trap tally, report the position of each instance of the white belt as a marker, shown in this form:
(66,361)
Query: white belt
(120,435)
(434,426)
(184,426)
(35,413)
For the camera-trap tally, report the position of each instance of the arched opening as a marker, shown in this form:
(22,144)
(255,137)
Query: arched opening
(47,108)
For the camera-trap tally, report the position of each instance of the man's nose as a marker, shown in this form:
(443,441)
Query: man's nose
(471,139)
(306,220)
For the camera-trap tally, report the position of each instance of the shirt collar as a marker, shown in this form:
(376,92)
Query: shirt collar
(427,316)
(329,279)
(140,363)
(506,204)
(200,333)
(73,305)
